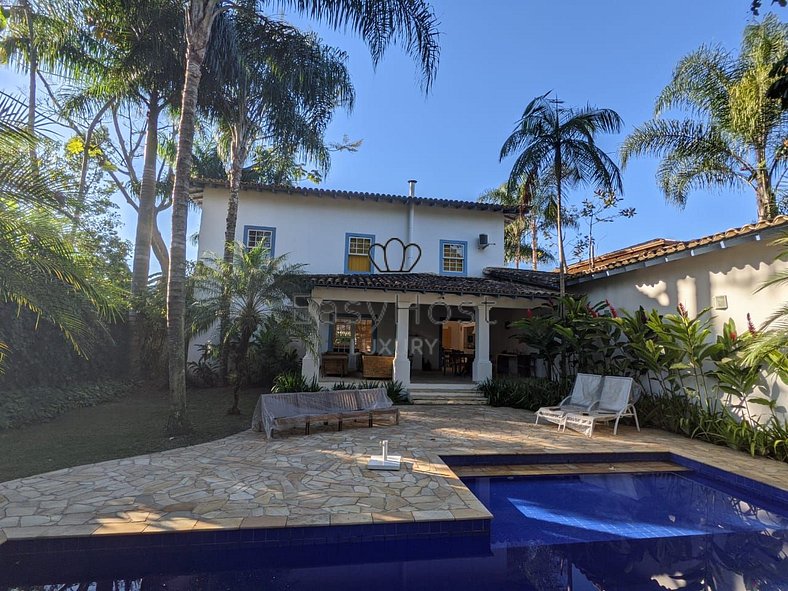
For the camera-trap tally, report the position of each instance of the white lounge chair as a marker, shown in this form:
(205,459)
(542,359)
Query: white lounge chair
(585,393)
(615,402)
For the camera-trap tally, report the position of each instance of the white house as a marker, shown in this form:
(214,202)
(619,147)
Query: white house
(401,286)
(722,271)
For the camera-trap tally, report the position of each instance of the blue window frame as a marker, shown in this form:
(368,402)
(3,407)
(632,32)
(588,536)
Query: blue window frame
(255,235)
(453,257)
(357,259)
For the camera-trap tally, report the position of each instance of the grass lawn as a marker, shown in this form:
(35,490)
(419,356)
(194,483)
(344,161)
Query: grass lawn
(127,427)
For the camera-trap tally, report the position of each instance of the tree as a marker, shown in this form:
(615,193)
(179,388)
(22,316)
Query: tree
(535,201)
(258,288)
(605,207)
(40,270)
(551,140)
(410,23)
(735,136)
(281,93)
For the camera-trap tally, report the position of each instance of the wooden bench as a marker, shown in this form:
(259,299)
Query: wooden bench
(281,411)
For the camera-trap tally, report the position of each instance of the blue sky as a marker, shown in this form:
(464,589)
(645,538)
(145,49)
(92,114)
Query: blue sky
(495,57)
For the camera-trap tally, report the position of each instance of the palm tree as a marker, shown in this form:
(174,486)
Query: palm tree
(409,23)
(257,287)
(536,205)
(40,271)
(551,140)
(282,91)
(735,135)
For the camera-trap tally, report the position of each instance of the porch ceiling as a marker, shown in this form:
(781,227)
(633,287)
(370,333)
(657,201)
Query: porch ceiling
(430,283)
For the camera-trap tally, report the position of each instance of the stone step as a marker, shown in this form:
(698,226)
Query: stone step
(451,401)
(445,394)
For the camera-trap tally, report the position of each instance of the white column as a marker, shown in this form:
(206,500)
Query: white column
(482,366)
(310,364)
(401,361)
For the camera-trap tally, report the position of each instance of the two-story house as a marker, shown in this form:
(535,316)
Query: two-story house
(404,287)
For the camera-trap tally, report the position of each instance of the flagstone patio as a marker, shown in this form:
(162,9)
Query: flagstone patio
(246,481)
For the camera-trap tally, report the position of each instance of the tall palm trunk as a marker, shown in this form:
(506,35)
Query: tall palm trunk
(764,195)
(559,225)
(199,21)
(534,243)
(32,57)
(146,213)
(231,224)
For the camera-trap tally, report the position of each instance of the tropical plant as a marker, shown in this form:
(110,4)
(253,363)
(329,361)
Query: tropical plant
(536,213)
(409,23)
(258,288)
(771,342)
(735,134)
(293,381)
(281,92)
(527,393)
(40,270)
(552,141)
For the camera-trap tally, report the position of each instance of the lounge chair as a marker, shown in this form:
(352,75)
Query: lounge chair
(585,393)
(615,402)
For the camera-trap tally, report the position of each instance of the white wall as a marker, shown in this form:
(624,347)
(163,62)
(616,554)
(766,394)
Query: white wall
(736,272)
(311,230)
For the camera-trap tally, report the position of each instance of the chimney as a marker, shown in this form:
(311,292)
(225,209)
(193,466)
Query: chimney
(412,188)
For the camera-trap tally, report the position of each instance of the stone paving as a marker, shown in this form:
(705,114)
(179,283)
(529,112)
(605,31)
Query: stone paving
(245,481)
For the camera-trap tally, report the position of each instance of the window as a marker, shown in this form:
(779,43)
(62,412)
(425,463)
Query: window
(357,253)
(363,336)
(257,235)
(358,333)
(343,333)
(453,254)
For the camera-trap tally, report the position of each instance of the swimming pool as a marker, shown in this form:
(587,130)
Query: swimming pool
(682,530)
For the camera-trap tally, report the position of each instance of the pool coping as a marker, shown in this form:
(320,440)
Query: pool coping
(271,531)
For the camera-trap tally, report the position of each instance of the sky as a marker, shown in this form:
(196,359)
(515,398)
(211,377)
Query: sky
(496,56)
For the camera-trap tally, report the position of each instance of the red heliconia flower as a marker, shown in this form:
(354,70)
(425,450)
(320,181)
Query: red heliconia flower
(750,325)
(682,310)
(613,312)
(734,336)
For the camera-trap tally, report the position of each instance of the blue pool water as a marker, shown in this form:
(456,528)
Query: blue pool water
(613,532)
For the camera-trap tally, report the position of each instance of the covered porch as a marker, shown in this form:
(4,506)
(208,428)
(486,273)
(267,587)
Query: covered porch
(418,329)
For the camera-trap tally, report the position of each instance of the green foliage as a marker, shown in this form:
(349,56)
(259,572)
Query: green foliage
(271,354)
(715,423)
(205,370)
(394,389)
(734,134)
(39,404)
(694,385)
(293,381)
(526,393)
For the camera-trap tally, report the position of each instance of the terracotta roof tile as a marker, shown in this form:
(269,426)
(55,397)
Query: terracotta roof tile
(661,247)
(200,183)
(428,282)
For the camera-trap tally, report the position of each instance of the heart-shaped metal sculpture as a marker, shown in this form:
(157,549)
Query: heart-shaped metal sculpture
(387,268)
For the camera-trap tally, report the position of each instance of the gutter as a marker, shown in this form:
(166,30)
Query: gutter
(676,256)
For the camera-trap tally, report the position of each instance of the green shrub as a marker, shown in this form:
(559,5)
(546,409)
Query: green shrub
(394,389)
(293,381)
(714,422)
(526,393)
(43,403)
